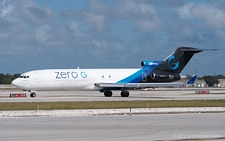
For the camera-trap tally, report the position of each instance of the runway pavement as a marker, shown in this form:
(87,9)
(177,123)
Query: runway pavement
(117,127)
(158,94)
(50,96)
(110,128)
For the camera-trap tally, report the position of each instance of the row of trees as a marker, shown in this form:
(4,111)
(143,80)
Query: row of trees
(7,78)
(209,79)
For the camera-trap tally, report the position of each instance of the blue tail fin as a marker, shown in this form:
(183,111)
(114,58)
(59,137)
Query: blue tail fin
(192,80)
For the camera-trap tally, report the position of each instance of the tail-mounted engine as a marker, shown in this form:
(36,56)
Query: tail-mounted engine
(163,77)
(148,63)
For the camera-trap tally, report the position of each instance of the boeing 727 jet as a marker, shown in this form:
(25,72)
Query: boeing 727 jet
(152,74)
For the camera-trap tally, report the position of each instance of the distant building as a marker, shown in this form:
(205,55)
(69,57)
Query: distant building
(198,83)
(221,83)
(202,83)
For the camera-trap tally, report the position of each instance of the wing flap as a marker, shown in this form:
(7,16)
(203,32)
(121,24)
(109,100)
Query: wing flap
(138,85)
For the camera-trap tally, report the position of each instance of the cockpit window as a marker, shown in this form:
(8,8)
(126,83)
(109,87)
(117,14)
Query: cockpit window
(24,76)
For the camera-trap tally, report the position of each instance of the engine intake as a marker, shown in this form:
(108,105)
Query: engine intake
(148,63)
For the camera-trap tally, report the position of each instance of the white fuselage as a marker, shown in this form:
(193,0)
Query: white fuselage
(152,74)
(70,79)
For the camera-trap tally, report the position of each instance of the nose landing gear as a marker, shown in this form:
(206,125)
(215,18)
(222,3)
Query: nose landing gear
(33,94)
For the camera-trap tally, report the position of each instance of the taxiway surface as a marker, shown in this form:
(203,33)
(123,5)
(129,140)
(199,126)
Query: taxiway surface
(159,94)
(122,127)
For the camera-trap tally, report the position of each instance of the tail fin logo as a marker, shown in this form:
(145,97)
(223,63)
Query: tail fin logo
(175,65)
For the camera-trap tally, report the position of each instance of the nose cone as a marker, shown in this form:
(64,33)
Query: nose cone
(15,83)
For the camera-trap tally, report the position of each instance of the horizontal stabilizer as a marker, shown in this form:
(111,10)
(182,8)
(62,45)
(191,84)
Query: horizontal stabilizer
(190,49)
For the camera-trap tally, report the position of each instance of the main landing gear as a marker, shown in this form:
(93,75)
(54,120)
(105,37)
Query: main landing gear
(123,93)
(108,93)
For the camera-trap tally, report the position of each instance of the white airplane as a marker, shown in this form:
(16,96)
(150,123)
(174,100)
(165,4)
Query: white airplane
(152,74)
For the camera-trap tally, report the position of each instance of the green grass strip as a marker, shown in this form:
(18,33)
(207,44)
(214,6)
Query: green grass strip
(109,104)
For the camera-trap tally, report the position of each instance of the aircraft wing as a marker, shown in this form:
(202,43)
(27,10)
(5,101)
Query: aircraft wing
(144,85)
(138,85)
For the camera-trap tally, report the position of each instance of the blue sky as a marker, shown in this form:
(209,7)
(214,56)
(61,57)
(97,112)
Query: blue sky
(40,34)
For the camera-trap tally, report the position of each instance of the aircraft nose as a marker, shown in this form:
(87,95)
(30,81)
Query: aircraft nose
(15,83)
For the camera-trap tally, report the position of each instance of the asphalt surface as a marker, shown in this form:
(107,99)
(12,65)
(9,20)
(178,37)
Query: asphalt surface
(111,128)
(117,127)
(158,94)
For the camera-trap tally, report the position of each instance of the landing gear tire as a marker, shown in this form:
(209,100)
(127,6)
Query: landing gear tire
(33,95)
(124,94)
(108,93)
